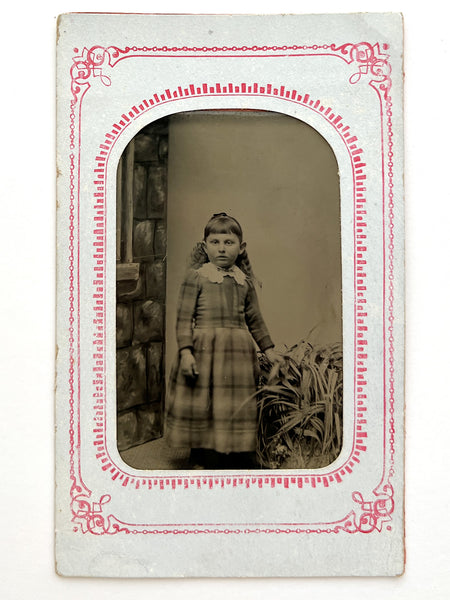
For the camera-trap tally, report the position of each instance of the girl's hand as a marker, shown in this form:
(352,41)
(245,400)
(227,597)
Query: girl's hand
(188,364)
(273,356)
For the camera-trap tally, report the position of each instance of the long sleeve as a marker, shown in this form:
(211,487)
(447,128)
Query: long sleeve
(187,302)
(255,321)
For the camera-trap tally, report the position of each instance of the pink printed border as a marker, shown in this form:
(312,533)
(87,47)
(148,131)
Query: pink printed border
(365,516)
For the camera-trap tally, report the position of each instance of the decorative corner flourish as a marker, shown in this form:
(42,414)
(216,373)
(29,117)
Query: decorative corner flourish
(90,63)
(372,514)
(371,62)
(87,515)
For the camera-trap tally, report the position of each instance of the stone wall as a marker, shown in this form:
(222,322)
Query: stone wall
(141,287)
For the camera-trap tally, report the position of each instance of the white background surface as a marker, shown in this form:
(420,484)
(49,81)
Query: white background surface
(27,241)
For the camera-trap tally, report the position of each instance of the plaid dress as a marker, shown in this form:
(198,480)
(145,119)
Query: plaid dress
(215,319)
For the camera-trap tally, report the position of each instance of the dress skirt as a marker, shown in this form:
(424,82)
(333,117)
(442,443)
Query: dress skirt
(215,410)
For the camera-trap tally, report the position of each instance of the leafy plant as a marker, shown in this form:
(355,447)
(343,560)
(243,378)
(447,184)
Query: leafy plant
(300,407)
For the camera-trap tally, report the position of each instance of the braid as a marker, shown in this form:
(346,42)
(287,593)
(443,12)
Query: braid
(243,262)
(198,256)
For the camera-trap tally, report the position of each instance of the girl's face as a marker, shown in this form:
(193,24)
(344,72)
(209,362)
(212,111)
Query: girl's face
(223,249)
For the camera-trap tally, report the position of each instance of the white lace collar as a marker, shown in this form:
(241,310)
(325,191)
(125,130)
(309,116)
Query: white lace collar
(216,274)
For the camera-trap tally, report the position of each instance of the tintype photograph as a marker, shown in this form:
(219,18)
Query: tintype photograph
(229,294)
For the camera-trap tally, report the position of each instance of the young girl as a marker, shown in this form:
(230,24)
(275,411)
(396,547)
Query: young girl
(216,369)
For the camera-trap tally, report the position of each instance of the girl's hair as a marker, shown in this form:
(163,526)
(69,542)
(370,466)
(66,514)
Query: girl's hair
(222,223)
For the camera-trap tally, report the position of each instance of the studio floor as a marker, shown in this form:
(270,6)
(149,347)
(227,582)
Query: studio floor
(157,455)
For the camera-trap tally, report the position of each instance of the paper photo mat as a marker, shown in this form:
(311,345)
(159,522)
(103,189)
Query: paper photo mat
(342,75)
